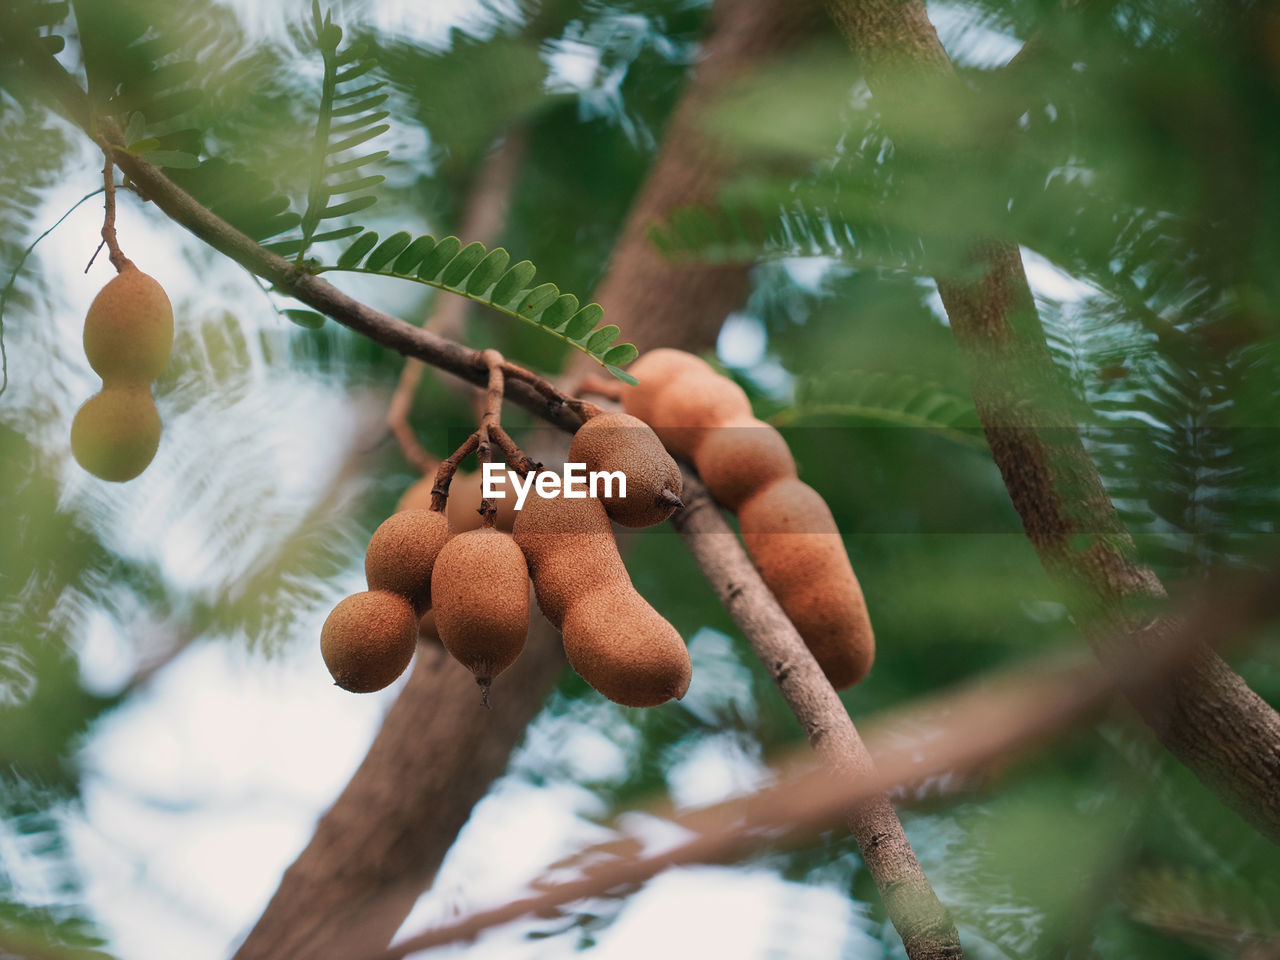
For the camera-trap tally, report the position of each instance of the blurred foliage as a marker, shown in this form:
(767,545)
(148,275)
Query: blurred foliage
(1132,151)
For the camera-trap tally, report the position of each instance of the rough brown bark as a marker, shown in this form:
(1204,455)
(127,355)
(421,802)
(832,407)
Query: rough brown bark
(688,172)
(1208,718)
(921,920)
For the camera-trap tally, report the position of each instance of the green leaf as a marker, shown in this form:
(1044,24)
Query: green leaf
(352,109)
(359,138)
(621,375)
(603,338)
(538,299)
(359,70)
(436,260)
(623,353)
(488,272)
(333,211)
(359,122)
(555,315)
(307,319)
(348,165)
(330,37)
(388,250)
(355,186)
(584,321)
(356,252)
(137,127)
(463,264)
(139,147)
(286,247)
(408,261)
(513,281)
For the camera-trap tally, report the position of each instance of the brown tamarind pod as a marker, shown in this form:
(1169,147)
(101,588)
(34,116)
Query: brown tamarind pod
(613,638)
(116,433)
(740,457)
(463,507)
(683,399)
(656,370)
(480,597)
(128,331)
(791,535)
(417,496)
(368,640)
(402,554)
(620,442)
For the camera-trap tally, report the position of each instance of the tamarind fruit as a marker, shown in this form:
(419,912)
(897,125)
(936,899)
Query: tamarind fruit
(787,527)
(115,433)
(463,507)
(128,331)
(368,640)
(621,442)
(480,598)
(403,552)
(612,637)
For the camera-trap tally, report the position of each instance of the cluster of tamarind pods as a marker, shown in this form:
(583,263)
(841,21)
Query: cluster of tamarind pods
(128,334)
(473,580)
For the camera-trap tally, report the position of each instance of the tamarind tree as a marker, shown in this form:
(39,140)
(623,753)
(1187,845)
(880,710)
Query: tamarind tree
(944,303)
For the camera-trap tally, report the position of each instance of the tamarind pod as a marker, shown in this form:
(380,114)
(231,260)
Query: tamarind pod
(620,442)
(427,631)
(128,331)
(463,508)
(656,370)
(741,457)
(569,545)
(480,596)
(403,552)
(615,640)
(417,496)
(115,433)
(792,537)
(624,648)
(368,640)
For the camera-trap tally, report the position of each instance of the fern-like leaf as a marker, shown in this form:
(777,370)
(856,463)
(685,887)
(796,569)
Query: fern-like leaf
(349,116)
(899,400)
(484,276)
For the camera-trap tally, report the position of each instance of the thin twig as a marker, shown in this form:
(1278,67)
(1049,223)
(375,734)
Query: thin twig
(448,467)
(398,417)
(118,259)
(492,417)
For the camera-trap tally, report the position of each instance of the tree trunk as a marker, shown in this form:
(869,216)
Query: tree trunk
(1207,717)
(438,751)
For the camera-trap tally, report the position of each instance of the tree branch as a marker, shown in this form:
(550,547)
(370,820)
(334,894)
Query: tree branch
(920,919)
(1226,734)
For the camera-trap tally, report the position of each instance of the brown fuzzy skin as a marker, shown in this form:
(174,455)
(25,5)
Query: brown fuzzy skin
(615,640)
(619,441)
(480,597)
(368,640)
(792,537)
(116,433)
(655,370)
(625,649)
(417,496)
(403,552)
(128,331)
(788,529)
(741,457)
(569,545)
(463,508)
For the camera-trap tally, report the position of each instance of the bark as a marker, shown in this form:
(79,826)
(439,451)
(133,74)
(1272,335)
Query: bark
(919,917)
(1207,717)
(688,172)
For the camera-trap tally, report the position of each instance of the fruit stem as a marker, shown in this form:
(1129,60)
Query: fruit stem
(117,257)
